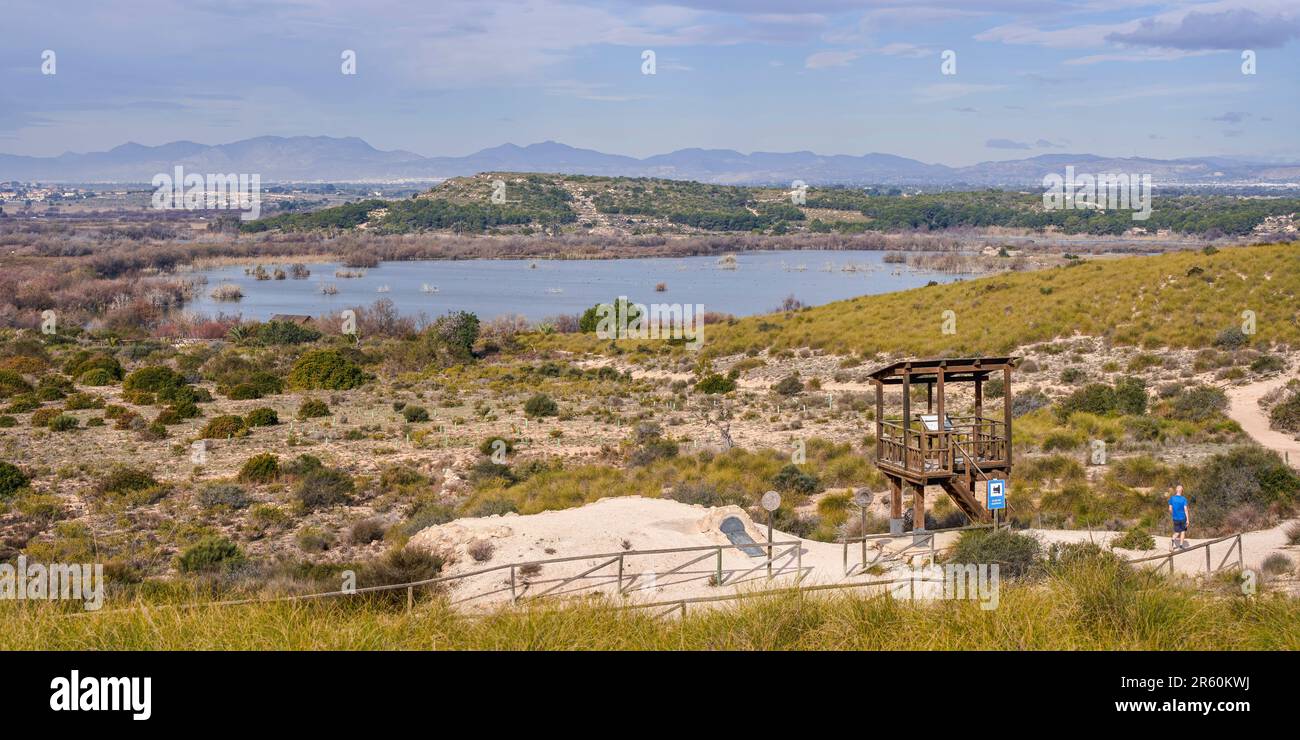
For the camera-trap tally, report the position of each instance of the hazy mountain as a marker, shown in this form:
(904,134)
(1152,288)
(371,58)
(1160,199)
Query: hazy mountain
(323,158)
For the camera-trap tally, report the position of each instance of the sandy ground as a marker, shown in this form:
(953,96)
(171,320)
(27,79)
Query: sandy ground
(594,535)
(1244,408)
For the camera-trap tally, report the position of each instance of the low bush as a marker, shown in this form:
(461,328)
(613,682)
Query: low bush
(324,487)
(326,369)
(224,427)
(415,414)
(209,554)
(540,406)
(262,417)
(229,495)
(313,409)
(12,478)
(1135,539)
(1015,553)
(262,468)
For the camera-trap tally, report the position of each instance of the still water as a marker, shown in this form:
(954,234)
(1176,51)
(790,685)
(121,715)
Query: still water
(757,283)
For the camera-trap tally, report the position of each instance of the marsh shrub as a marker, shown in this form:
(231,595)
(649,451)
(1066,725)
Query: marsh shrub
(790,385)
(262,417)
(404,565)
(153,379)
(425,514)
(22,404)
(1276,564)
(209,554)
(1135,539)
(123,479)
(714,383)
(790,479)
(366,531)
(43,417)
(11,480)
(1286,415)
(98,377)
(262,468)
(1232,338)
(541,405)
(1026,402)
(494,506)
(324,487)
(284,332)
(1198,403)
(224,427)
(12,384)
(414,414)
(313,409)
(1250,477)
(232,495)
(1015,553)
(326,369)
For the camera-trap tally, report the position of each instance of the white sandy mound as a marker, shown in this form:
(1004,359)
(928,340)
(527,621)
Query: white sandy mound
(610,525)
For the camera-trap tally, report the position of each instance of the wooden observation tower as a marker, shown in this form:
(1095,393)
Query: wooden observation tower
(916,450)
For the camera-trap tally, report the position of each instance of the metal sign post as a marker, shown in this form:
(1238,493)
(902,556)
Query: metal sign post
(997,498)
(771,501)
(863,500)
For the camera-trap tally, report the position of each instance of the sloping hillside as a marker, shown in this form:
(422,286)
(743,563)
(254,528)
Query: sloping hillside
(1184,299)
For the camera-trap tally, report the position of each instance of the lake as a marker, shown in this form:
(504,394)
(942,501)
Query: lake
(540,288)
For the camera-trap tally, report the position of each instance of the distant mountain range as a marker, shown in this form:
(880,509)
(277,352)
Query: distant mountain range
(328,159)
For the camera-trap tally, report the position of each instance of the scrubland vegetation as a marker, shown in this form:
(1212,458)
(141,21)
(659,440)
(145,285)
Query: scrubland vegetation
(257,458)
(1076,600)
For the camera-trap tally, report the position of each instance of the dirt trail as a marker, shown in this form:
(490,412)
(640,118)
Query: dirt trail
(1244,408)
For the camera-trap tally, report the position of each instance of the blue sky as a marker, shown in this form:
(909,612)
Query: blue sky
(1114,77)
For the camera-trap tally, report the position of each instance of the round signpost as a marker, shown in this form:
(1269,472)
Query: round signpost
(770,502)
(863,499)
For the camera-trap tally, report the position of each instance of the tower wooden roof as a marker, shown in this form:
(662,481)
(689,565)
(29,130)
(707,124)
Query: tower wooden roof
(955,369)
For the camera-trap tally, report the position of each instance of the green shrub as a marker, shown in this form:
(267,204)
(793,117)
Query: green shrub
(81,401)
(540,406)
(22,404)
(790,479)
(43,417)
(414,414)
(1276,564)
(312,409)
(1015,553)
(1245,476)
(1267,364)
(12,384)
(208,554)
(1198,403)
(324,487)
(11,480)
(123,479)
(714,383)
(1286,415)
(224,427)
(223,494)
(63,423)
(153,379)
(262,417)
(84,362)
(326,369)
(366,531)
(790,385)
(284,332)
(405,565)
(1135,539)
(262,468)
(8,422)
(98,377)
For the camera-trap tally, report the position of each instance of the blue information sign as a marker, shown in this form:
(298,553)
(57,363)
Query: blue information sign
(997,494)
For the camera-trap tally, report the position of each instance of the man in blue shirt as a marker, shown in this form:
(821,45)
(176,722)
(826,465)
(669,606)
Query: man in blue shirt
(1179,512)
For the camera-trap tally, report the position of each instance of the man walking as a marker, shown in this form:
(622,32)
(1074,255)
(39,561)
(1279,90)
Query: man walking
(1179,512)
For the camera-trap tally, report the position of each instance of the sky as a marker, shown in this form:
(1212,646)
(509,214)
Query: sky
(946,81)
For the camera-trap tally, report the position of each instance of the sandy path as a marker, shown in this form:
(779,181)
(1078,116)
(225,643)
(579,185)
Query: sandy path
(596,533)
(1243,408)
